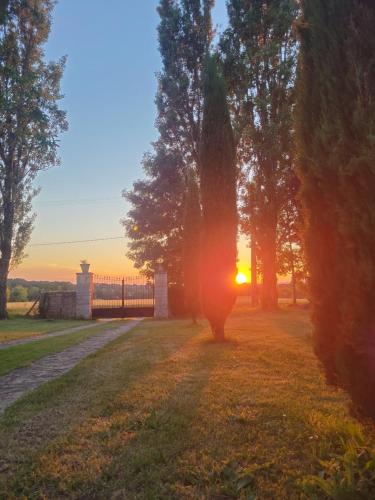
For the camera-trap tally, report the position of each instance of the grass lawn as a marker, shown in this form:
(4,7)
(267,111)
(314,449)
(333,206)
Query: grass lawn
(163,412)
(21,355)
(21,327)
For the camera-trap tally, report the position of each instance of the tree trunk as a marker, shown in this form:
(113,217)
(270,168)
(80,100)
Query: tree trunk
(218,331)
(269,289)
(294,291)
(4,271)
(254,275)
(6,236)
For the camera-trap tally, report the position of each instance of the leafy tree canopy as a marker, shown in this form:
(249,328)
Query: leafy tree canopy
(30,122)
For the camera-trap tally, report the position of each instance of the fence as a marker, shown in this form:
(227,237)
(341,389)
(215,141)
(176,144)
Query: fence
(119,296)
(100,296)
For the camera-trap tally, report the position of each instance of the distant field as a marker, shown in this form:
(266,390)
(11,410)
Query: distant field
(19,307)
(23,307)
(242,300)
(128,302)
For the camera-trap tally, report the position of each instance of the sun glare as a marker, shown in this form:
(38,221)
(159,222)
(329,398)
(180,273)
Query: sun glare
(241,279)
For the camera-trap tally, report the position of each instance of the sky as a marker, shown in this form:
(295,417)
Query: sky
(109,87)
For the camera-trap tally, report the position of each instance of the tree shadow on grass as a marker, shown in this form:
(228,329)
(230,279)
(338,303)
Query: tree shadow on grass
(50,411)
(229,342)
(146,464)
(297,325)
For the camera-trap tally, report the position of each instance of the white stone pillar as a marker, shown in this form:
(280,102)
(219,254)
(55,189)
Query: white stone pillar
(84,291)
(161,310)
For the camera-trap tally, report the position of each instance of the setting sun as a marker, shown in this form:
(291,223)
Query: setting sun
(241,278)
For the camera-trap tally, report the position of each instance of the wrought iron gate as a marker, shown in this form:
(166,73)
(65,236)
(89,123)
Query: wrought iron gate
(122,297)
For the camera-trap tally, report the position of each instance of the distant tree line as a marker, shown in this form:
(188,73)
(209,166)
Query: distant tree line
(105,291)
(20,290)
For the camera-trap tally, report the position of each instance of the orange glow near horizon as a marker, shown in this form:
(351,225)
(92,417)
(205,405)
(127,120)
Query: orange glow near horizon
(241,278)
(61,263)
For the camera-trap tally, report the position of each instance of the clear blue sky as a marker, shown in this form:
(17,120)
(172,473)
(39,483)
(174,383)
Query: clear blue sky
(109,87)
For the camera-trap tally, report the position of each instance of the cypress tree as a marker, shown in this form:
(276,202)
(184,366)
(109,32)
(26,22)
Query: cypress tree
(192,243)
(218,191)
(336,156)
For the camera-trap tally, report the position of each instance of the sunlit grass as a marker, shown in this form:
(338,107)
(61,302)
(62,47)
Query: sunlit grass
(18,356)
(19,307)
(20,327)
(164,412)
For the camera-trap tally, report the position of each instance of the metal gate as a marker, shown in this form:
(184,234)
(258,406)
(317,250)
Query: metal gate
(122,297)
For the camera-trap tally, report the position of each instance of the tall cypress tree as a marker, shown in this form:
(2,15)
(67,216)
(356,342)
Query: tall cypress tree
(336,156)
(218,190)
(192,245)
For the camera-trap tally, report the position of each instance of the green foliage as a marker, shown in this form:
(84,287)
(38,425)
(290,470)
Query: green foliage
(4,5)
(219,203)
(259,59)
(34,288)
(18,294)
(185,34)
(154,222)
(30,122)
(290,253)
(336,156)
(33,293)
(345,466)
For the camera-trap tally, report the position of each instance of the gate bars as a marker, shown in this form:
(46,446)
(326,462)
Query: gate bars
(122,292)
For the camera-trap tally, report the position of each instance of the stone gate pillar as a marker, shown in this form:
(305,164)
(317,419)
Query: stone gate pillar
(161,310)
(84,291)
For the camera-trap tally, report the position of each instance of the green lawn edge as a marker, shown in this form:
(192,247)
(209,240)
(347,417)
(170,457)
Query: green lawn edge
(18,328)
(19,356)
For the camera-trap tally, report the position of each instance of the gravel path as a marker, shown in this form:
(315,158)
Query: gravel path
(20,381)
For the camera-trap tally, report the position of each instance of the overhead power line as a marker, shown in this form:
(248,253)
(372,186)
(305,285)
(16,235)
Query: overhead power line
(82,201)
(73,242)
